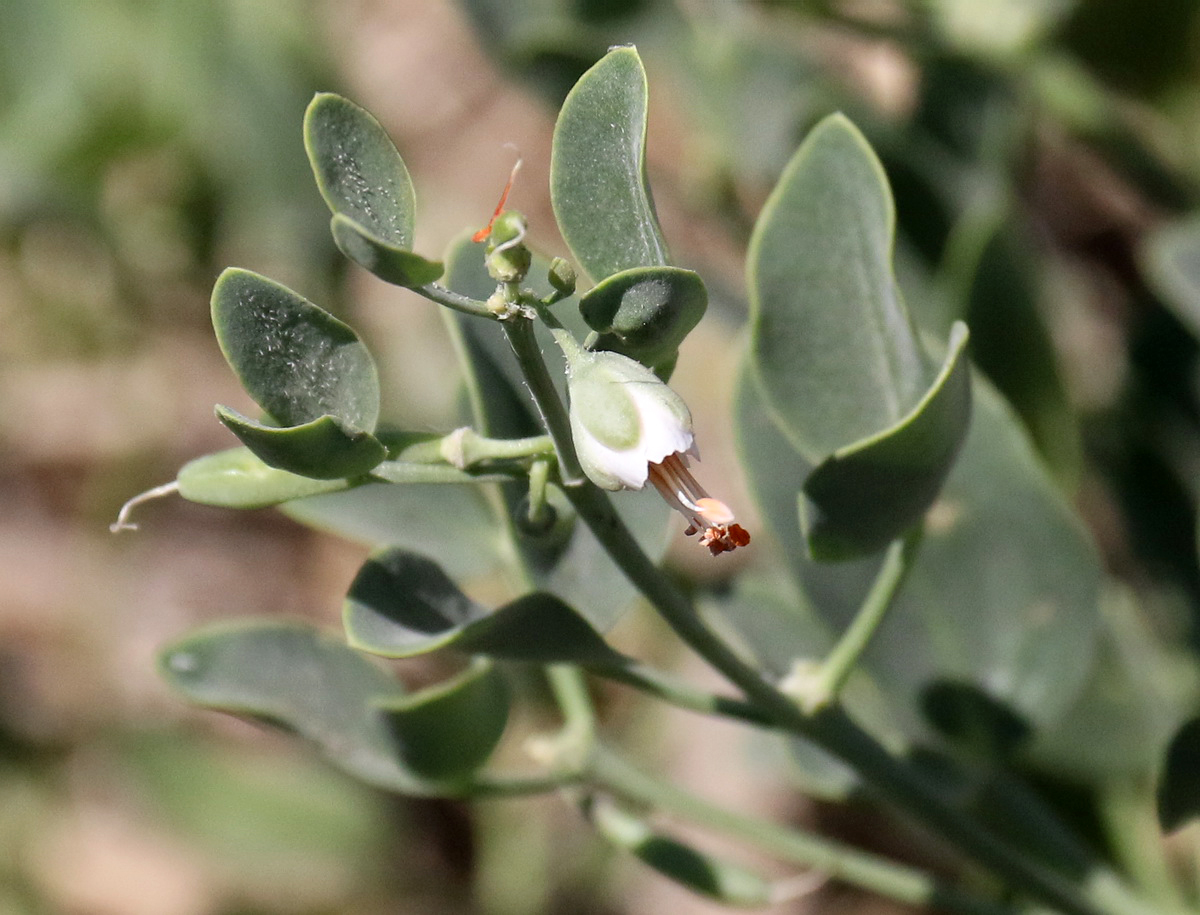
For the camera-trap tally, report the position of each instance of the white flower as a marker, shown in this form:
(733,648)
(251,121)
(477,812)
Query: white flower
(629,427)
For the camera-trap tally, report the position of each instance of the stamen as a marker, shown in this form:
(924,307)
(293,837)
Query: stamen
(683,493)
(483,233)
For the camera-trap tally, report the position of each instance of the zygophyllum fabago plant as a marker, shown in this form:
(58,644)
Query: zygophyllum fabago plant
(930,628)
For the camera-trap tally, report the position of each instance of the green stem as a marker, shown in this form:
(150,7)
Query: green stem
(519,332)
(1128,812)
(465,447)
(832,729)
(455,300)
(905,884)
(667,688)
(841,661)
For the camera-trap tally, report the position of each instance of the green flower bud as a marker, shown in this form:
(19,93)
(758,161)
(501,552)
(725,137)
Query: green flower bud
(508,259)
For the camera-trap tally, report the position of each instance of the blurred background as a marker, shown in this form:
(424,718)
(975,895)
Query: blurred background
(147,144)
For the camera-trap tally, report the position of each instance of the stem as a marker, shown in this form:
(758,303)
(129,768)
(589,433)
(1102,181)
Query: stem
(667,688)
(614,774)
(455,300)
(844,657)
(465,447)
(834,731)
(519,332)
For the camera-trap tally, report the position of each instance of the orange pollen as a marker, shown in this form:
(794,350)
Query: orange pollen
(683,493)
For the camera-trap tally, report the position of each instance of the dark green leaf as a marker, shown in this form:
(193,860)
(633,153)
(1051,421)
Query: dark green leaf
(865,495)
(645,312)
(1179,786)
(598,172)
(323,449)
(295,677)
(358,170)
(446,732)
(707,875)
(296,360)
(392,264)
(401,604)
(832,344)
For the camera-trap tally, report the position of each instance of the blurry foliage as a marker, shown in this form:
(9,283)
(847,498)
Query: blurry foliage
(1044,156)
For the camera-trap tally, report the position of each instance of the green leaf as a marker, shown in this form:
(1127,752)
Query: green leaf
(832,344)
(865,495)
(358,170)
(301,679)
(598,170)
(236,478)
(645,312)
(705,874)
(1003,594)
(454,523)
(401,604)
(1171,255)
(323,449)
(446,732)
(388,262)
(296,360)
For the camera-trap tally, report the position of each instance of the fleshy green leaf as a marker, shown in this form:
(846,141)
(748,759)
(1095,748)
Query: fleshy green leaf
(832,344)
(865,495)
(1172,258)
(297,361)
(235,478)
(1002,596)
(388,262)
(298,678)
(358,170)
(598,171)
(401,604)
(323,449)
(702,873)
(447,731)
(645,312)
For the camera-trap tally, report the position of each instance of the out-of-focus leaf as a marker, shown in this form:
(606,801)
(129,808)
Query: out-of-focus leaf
(705,874)
(1003,594)
(865,495)
(645,312)
(447,731)
(1179,784)
(297,678)
(598,171)
(1171,256)
(1137,695)
(296,360)
(993,279)
(358,170)
(832,344)
(402,604)
(454,523)
(323,448)
(391,264)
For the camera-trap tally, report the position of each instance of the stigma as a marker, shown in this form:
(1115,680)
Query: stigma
(674,481)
